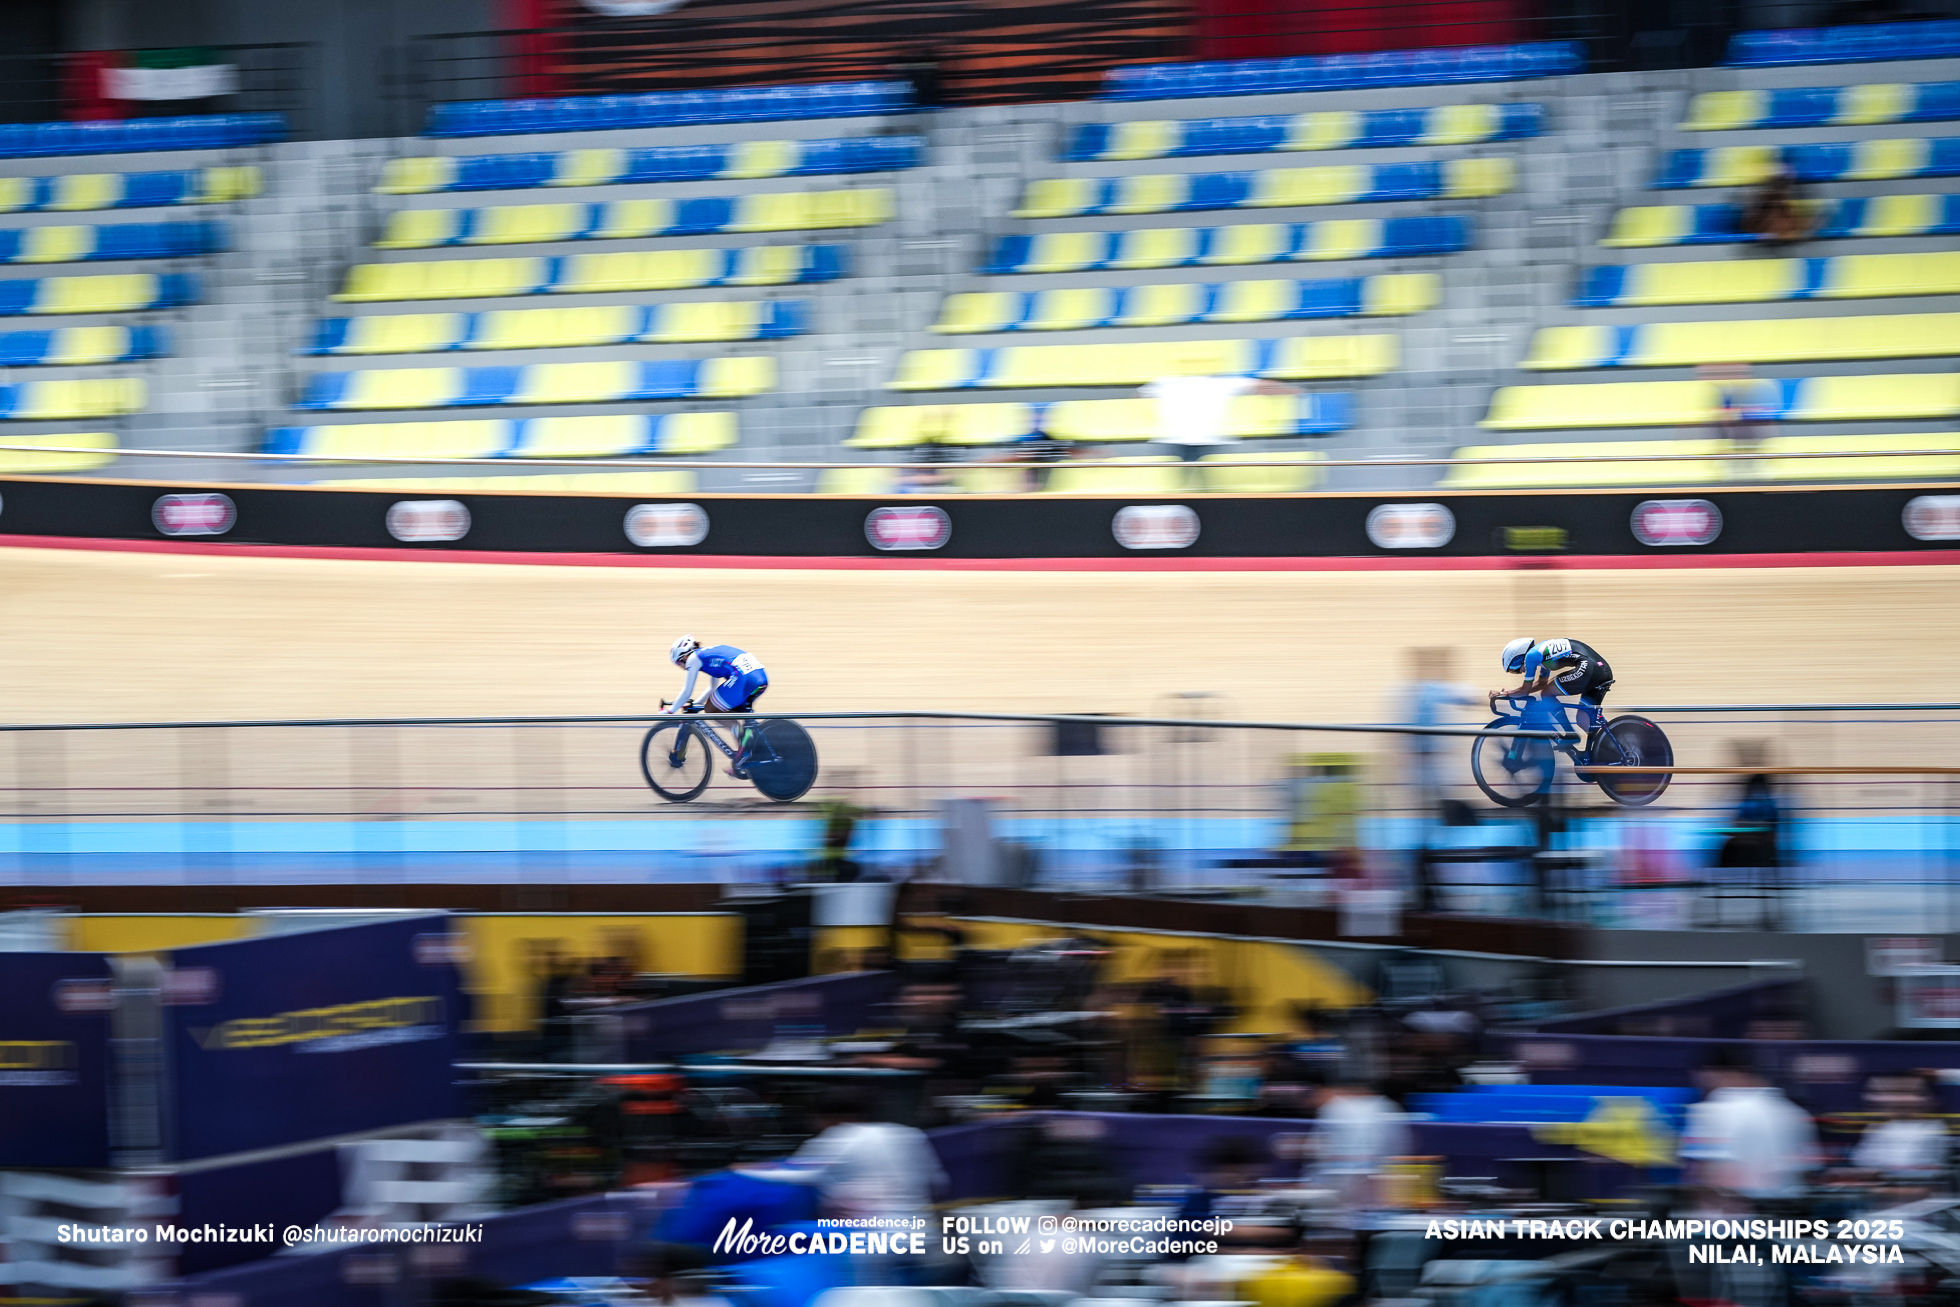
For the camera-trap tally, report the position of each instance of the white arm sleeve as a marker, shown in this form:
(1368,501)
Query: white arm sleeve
(693,670)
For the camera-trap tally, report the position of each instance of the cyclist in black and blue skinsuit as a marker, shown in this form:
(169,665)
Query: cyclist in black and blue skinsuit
(737,677)
(1555,667)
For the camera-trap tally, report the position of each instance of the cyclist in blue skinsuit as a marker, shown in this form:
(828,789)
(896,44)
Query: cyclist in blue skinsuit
(738,680)
(1555,667)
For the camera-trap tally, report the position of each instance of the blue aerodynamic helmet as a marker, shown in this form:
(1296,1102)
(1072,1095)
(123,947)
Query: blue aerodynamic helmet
(1512,659)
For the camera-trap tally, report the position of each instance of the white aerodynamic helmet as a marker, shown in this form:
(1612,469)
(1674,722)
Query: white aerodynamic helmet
(1512,659)
(684,646)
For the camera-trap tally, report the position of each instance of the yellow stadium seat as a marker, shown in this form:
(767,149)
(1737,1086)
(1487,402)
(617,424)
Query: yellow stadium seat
(1327,130)
(223,185)
(1652,463)
(1066,251)
(762,158)
(55,244)
(577,383)
(672,482)
(736,378)
(1138,364)
(777,212)
(589,167)
(1900,215)
(1400,293)
(1777,463)
(1554,348)
(1791,340)
(1874,102)
(984,424)
(707,320)
(990,479)
(605,324)
(1649,225)
(1305,358)
(1884,160)
(767,265)
(1149,194)
(1102,419)
(1465,179)
(403,333)
(446,279)
(1612,404)
(889,427)
(626,219)
(640,270)
(1152,247)
(1252,417)
(99,446)
(1127,476)
(1151,139)
(1739,165)
(871,480)
(1055,365)
(1724,111)
(401,388)
(16,193)
(1738,282)
(969,312)
(935,369)
(80,191)
(521,224)
(1254,301)
(416,176)
(1855,276)
(419,229)
(1070,310)
(113,294)
(88,345)
(858,208)
(1898,397)
(597,435)
(480,439)
(1291,187)
(1225,474)
(1059,197)
(96,398)
(1253,242)
(1461,124)
(1344,238)
(1161,306)
(694,434)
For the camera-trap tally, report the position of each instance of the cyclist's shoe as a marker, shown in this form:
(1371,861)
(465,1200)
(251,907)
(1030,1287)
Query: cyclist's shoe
(739,768)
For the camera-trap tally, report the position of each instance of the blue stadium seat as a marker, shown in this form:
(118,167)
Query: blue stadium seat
(1867,43)
(668,109)
(1337,72)
(204,132)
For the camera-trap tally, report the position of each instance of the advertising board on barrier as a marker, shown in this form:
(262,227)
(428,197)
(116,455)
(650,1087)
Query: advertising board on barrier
(54,1060)
(194,515)
(908,528)
(311,1034)
(666,526)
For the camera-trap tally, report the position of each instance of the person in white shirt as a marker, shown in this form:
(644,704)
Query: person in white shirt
(1909,1144)
(864,1167)
(1745,1140)
(1357,1133)
(1193,406)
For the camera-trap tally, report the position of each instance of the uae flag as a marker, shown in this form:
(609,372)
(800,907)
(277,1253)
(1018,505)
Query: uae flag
(193,73)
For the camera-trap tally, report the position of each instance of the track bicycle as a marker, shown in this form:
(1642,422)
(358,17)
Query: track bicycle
(1517,771)
(678,755)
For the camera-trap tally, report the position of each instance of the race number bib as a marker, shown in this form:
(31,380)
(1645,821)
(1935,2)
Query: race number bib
(745,664)
(1557,648)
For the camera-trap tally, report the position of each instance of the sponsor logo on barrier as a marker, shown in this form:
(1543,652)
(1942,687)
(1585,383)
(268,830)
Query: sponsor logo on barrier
(1676,522)
(441,948)
(1535,539)
(76,998)
(194,515)
(666,526)
(770,1007)
(1155,526)
(908,528)
(190,986)
(338,1029)
(1411,526)
(35,1062)
(1546,1054)
(426,521)
(1933,517)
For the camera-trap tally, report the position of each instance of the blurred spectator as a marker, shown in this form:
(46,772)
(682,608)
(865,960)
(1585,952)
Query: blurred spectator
(1752,849)
(1745,1142)
(1038,452)
(840,822)
(864,1167)
(1193,408)
(1229,1166)
(1430,695)
(1743,405)
(1775,212)
(1356,1133)
(1908,1144)
(554,977)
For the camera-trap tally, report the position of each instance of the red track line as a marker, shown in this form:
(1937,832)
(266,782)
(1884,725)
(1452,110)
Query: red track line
(523,558)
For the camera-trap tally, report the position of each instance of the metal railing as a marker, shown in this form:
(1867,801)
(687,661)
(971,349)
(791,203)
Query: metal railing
(1174,802)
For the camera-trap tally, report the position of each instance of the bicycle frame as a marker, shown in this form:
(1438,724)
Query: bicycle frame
(1545,712)
(706,729)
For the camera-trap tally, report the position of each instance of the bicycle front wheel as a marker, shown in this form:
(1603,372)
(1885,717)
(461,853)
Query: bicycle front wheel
(1514,772)
(782,759)
(1632,742)
(676,761)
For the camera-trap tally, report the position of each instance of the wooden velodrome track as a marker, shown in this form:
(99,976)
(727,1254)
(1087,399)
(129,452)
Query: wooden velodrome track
(103,635)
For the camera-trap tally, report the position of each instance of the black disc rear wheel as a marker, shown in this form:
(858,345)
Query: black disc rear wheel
(782,759)
(1632,742)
